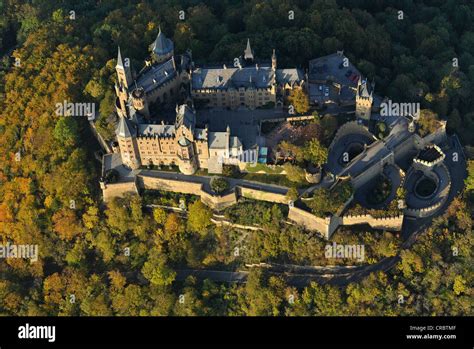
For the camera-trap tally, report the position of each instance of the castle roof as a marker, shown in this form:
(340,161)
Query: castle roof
(161,130)
(157,75)
(218,140)
(185,117)
(183,141)
(162,45)
(235,142)
(225,78)
(364,89)
(331,68)
(290,76)
(123,128)
(119,59)
(200,133)
(248,53)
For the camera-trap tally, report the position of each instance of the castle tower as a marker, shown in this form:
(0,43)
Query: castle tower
(140,102)
(124,80)
(364,99)
(274,60)
(124,73)
(126,138)
(185,121)
(248,53)
(187,161)
(162,48)
(121,101)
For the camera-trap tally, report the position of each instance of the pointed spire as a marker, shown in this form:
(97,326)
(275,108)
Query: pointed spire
(119,59)
(248,54)
(162,45)
(274,60)
(123,129)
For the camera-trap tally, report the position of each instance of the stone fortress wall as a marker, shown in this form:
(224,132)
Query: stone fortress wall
(348,128)
(387,223)
(112,190)
(443,196)
(217,202)
(312,222)
(327,226)
(258,194)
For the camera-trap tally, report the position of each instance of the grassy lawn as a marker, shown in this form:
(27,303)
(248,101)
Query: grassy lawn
(268,178)
(273,179)
(265,168)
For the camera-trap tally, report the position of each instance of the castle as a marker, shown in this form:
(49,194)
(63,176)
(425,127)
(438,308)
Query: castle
(169,79)
(380,143)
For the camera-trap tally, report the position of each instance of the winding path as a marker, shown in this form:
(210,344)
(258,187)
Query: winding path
(302,276)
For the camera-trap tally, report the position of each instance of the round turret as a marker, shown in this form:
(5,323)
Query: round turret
(186,158)
(139,101)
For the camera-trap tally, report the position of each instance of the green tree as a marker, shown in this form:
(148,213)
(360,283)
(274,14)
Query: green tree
(67,131)
(469,181)
(173,224)
(159,215)
(299,100)
(294,173)
(219,185)
(315,152)
(156,270)
(292,194)
(199,217)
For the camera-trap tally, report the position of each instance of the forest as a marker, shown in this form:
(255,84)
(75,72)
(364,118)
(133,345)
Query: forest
(121,259)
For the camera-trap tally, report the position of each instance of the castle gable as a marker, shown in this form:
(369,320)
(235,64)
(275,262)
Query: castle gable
(289,76)
(150,130)
(218,140)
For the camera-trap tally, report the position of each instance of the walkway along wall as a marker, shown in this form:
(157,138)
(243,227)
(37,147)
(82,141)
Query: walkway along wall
(216,202)
(328,225)
(387,223)
(258,194)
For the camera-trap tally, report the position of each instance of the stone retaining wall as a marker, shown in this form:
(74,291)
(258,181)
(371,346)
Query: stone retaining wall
(350,128)
(311,222)
(327,226)
(388,223)
(423,212)
(112,190)
(216,202)
(257,194)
